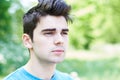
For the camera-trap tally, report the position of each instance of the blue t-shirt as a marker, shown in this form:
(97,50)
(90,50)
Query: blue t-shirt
(22,74)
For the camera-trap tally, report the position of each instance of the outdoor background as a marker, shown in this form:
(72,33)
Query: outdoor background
(94,46)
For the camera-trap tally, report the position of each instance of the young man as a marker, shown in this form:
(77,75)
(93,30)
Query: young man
(46,37)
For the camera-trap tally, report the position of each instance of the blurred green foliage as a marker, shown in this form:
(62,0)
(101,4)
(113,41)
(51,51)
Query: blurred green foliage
(94,21)
(105,69)
(12,53)
(5,24)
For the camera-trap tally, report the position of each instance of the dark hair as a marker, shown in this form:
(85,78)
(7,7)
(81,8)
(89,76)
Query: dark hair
(43,8)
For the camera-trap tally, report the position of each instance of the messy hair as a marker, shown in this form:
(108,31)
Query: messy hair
(43,8)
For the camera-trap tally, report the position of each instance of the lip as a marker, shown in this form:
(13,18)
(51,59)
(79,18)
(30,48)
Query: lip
(58,52)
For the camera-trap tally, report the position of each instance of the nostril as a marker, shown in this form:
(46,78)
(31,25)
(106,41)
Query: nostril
(59,40)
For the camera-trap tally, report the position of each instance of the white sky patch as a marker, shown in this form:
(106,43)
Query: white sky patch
(28,3)
(13,8)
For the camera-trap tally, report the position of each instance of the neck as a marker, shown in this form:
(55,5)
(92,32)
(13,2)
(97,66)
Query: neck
(39,69)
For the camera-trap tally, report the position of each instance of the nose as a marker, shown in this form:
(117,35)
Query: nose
(58,40)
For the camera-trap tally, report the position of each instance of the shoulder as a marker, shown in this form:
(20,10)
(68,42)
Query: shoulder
(62,75)
(14,75)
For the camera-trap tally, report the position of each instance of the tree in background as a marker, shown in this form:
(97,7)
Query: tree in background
(11,51)
(113,32)
(5,24)
(94,21)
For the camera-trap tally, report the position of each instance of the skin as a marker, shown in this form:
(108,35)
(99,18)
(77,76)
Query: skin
(50,40)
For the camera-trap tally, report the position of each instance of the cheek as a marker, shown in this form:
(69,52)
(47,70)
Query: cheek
(66,40)
(43,43)
(40,48)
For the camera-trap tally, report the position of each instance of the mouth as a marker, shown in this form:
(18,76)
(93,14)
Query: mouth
(58,52)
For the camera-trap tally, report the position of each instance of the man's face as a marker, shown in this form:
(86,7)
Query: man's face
(50,39)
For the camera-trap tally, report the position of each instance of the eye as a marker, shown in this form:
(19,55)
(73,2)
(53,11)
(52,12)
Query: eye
(48,33)
(65,33)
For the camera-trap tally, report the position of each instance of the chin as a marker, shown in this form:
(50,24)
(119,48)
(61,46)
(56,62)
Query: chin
(58,61)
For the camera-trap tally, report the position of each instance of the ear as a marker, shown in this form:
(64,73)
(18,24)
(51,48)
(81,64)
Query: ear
(27,41)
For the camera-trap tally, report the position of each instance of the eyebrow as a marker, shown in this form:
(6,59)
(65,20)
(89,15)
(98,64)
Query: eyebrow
(65,29)
(53,30)
(48,30)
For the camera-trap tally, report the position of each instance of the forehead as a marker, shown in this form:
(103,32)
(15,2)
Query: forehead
(57,22)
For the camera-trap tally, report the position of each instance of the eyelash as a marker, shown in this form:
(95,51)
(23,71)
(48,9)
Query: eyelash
(66,33)
(52,33)
(48,33)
